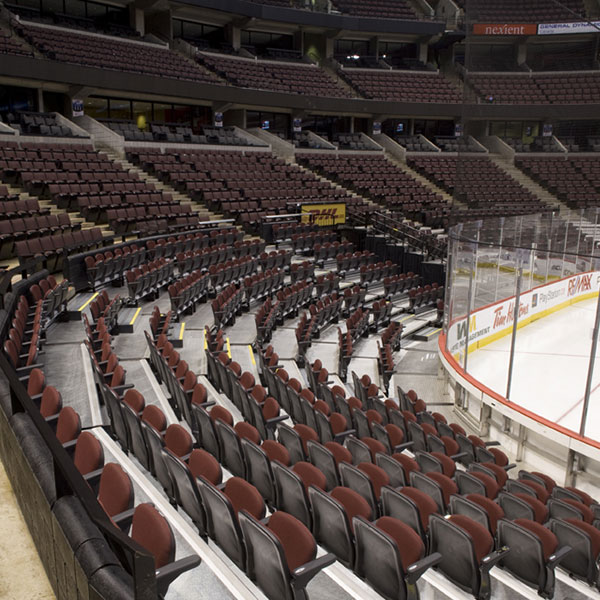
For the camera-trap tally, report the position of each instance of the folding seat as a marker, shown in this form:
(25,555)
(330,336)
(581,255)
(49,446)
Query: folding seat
(536,553)
(291,488)
(115,495)
(281,555)
(522,506)
(390,557)
(478,508)
(365,478)
(584,539)
(467,553)
(88,457)
(333,525)
(437,485)
(153,532)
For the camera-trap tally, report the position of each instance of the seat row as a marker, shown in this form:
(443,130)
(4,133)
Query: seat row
(231,271)
(149,278)
(111,265)
(353,261)
(422,297)
(266,319)
(397,284)
(276,259)
(186,293)
(306,241)
(267,283)
(302,271)
(392,335)
(18,228)
(51,248)
(227,305)
(376,272)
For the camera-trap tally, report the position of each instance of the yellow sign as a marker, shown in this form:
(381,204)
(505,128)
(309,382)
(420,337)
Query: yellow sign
(324,214)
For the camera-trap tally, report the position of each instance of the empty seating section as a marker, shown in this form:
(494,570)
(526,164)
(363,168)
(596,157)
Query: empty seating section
(575,181)
(534,11)
(387,9)
(457,144)
(478,182)
(112,53)
(76,177)
(537,144)
(245,186)
(46,124)
(414,143)
(275,76)
(383,182)
(402,86)
(537,88)
(179,134)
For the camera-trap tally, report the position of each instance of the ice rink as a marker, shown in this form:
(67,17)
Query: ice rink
(550,369)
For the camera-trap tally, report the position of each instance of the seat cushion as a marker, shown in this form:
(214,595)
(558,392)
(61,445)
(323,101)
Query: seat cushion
(547,538)
(483,542)
(409,543)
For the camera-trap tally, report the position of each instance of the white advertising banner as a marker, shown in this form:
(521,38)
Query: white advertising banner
(558,28)
(494,321)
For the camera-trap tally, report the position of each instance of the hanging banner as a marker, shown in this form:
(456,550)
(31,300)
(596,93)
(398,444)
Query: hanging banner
(77,108)
(560,28)
(297,125)
(505,29)
(218,119)
(376,127)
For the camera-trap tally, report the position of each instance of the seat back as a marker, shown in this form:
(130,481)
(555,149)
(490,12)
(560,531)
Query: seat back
(223,525)
(259,472)
(529,563)
(116,490)
(152,531)
(232,456)
(186,490)
(291,494)
(459,562)
(266,561)
(358,481)
(331,526)
(377,560)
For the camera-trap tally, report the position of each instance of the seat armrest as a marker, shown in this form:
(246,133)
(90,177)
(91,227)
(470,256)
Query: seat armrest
(510,466)
(555,558)
(340,437)
(93,477)
(123,519)
(414,571)
(70,446)
(272,422)
(167,574)
(492,559)
(459,456)
(404,446)
(121,388)
(302,575)
(492,443)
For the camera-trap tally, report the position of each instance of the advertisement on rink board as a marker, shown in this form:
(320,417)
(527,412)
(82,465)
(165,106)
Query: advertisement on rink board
(492,322)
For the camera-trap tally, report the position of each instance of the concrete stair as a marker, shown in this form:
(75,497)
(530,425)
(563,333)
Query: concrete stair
(54,210)
(164,187)
(586,227)
(334,184)
(529,184)
(425,182)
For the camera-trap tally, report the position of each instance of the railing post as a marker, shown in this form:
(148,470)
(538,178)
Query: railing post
(513,340)
(590,375)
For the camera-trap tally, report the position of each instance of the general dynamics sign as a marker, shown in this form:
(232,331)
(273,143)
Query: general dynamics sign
(534,29)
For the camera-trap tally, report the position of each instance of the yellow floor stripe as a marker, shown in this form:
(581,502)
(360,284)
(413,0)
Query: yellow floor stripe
(228,348)
(251,354)
(84,305)
(205,342)
(181,330)
(433,332)
(406,318)
(135,316)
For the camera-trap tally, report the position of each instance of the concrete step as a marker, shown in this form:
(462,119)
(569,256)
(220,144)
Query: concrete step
(160,185)
(537,190)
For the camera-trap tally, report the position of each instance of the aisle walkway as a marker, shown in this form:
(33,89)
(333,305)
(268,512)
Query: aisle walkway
(21,572)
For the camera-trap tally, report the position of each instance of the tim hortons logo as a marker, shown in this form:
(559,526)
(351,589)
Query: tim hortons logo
(581,283)
(505,317)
